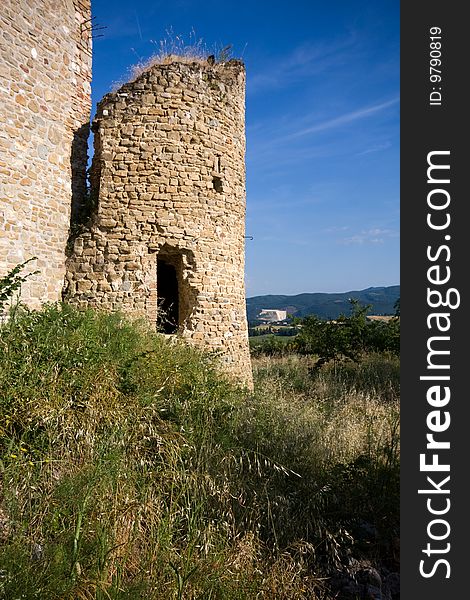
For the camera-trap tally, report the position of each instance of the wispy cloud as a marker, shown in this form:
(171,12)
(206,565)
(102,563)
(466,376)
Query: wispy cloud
(375,148)
(306,60)
(297,133)
(375,235)
(336,229)
(345,119)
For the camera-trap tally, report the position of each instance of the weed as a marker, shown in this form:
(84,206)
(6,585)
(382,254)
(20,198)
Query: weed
(177,48)
(12,282)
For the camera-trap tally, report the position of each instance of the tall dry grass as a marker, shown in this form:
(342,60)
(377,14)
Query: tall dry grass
(176,48)
(130,468)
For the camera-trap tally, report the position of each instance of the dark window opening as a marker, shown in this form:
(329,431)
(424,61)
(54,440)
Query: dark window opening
(217,183)
(167,297)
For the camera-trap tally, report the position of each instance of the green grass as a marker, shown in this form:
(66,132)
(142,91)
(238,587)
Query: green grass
(131,469)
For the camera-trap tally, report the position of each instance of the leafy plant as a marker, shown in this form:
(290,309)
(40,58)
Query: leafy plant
(12,281)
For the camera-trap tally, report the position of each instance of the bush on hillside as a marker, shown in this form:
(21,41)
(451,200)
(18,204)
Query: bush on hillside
(348,337)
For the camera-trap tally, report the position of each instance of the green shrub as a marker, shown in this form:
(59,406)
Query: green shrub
(349,337)
(271,345)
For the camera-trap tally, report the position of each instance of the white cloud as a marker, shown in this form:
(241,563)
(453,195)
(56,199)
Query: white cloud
(345,119)
(306,60)
(375,235)
(376,148)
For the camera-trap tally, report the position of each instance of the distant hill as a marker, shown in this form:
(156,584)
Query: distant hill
(326,306)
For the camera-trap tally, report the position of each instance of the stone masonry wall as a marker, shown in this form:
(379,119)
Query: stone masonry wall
(45,74)
(168,203)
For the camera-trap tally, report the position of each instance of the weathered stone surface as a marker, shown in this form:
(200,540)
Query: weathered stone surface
(45,58)
(168,181)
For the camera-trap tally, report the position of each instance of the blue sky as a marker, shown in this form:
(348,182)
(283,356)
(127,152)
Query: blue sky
(322,124)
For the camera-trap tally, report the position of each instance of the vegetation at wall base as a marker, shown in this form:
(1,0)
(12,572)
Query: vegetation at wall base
(12,282)
(131,469)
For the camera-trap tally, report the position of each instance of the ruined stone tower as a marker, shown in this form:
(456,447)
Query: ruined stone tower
(45,74)
(165,238)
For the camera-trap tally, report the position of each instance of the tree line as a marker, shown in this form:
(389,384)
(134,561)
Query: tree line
(346,338)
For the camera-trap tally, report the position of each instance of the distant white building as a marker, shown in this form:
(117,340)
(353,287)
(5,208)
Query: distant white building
(270,315)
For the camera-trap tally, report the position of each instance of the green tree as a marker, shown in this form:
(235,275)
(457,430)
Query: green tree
(348,337)
(396,306)
(325,339)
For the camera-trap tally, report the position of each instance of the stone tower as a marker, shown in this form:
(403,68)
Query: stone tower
(45,74)
(165,238)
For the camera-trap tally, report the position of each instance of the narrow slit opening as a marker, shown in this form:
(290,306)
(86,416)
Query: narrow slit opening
(167,297)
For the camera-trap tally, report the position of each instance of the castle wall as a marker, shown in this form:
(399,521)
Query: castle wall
(168,195)
(45,74)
